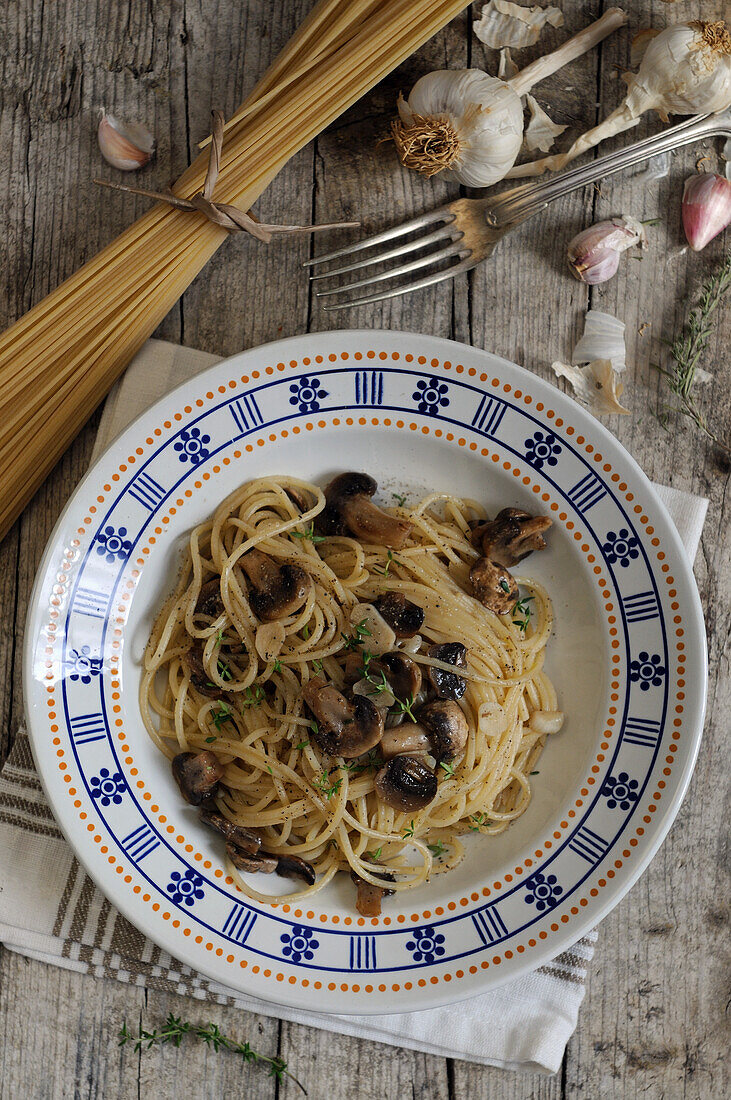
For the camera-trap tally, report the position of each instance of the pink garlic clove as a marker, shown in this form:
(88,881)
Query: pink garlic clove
(125,145)
(593,254)
(706,208)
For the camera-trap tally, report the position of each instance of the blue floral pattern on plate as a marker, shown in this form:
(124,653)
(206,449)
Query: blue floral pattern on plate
(113,545)
(541,450)
(300,944)
(542,890)
(620,790)
(306,394)
(621,547)
(107,788)
(647,670)
(430,396)
(426,945)
(185,888)
(82,666)
(192,446)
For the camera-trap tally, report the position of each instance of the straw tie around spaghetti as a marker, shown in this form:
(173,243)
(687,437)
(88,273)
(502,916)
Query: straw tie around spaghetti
(221,213)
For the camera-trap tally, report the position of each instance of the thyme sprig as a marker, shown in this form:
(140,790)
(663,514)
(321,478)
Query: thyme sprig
(688,348)
(522,607)
(308,535)
(175,1029)
(352,641)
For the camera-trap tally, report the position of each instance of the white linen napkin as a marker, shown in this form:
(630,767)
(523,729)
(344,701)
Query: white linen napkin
(51,911)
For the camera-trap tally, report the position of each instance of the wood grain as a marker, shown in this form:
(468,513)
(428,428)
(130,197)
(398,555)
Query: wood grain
(653,1024)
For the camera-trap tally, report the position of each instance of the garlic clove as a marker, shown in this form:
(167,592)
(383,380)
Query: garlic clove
(593,254)
(706,208)
(597,385)
(503,23)
(125,145)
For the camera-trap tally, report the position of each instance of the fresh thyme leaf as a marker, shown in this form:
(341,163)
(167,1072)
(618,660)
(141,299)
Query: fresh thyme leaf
(400,498)
(352,641)
(306,631)
(222,714)
(505,586)
(404,707)
(375,856)
(522,608)
(302,745)
(384,572)
(687,350)
(317,665)
(174,1029)
(269,769)
(447,768)
(437,849)
(535,773)
(309,535)
(408,832)
(277,666)
(210,740)
(253,696)
(314,726)
(479,820)
(326,785)
(223,670)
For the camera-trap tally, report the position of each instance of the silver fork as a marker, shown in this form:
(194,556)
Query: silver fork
(465,232)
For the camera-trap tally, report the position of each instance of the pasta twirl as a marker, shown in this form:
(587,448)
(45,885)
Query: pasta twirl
(219,678)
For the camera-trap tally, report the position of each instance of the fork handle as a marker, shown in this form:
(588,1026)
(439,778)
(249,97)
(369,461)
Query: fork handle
(519,203)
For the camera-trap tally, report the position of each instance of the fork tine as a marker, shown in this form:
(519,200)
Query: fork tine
(455,249)
(429,280)
(443,213)
(411,246)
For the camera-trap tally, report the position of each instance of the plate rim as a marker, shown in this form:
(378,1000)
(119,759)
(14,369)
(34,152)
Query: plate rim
(663,820)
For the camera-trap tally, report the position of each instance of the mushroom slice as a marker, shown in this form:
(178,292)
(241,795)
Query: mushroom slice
(209,599)
(197,774)
(246,840)
(493,586)
(298,498)
(402,673)
(404,617)
(349,510)
(447,684)
(199,678)
(369,897)
(410,737)
(406,783)
(447,727)
(344,728)
(294,866)
(246,861)
(511,536)
(274,590)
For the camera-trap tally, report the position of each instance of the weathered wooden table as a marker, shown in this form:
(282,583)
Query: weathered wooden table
(653,1021)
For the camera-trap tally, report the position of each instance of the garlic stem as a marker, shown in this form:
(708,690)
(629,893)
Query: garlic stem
(574,47)
(620,120)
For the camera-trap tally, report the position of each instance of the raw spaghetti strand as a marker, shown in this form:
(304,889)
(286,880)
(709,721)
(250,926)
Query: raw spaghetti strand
(277,780)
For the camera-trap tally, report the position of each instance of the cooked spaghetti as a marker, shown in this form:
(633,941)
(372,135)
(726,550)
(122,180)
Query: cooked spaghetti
(339,688)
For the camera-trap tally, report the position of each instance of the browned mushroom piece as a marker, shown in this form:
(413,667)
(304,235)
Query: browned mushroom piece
(404,617)
(300,868)
(246,840)
(260,862)
(209,599)
(402,673)
(406,783)
(349,510)
(345,727)
(199,678)
(369,897)
(511,536)
(447,727)
(298,498)
(448,685)
(275,590)
(493,586)
(197,774)
(409,738)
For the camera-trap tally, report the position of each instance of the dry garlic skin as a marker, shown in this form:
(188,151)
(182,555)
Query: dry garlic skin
(484,115)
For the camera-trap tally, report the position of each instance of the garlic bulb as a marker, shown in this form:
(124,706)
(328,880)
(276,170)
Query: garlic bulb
(593,254)
(125,145)
(685,70)
(469,125)
(465,124)
(706,208)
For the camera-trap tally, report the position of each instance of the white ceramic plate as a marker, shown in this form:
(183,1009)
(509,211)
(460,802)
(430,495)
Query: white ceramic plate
(627,657)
